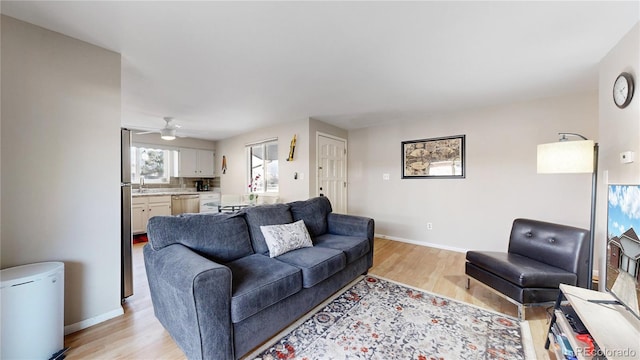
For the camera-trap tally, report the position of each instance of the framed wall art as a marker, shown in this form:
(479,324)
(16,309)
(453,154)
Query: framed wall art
(434,158)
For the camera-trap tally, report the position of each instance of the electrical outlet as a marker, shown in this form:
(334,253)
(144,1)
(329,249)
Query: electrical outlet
(429,226)
(385,176)
(627,157)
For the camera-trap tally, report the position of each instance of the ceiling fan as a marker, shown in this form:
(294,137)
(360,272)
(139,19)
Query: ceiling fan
(168,132)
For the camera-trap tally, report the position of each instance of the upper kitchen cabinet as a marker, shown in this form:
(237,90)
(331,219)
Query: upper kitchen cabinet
(196,163)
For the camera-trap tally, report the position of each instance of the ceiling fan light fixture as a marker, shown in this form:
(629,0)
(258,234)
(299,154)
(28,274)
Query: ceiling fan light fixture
(168,134)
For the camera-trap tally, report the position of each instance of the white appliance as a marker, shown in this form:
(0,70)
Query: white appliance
(32,311)
(209,202)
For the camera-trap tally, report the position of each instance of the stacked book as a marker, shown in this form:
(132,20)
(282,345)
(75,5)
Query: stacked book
(570,338)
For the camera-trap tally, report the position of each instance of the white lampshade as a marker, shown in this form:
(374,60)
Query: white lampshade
(168,134)
(566,157)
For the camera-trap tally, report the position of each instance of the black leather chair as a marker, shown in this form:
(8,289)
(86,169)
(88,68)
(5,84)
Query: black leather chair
(540,257)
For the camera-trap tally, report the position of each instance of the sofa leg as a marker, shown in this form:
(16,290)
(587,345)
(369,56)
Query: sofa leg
(521,312)
(468,284)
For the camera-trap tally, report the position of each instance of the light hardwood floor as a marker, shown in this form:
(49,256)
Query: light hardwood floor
(138,334)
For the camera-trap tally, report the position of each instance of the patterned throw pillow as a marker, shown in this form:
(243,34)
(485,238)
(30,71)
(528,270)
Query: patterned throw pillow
(286,237)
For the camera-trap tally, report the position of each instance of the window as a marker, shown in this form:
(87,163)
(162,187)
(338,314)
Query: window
(263,166)
(154,165)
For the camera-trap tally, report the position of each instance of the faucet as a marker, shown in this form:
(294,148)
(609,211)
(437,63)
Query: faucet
(141,188)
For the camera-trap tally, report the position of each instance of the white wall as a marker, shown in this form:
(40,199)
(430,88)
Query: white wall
(236,179)
(619,129)
(60,164)
(501,182)
(175,143)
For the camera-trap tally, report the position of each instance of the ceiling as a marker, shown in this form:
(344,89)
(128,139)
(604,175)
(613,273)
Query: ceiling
(224,68)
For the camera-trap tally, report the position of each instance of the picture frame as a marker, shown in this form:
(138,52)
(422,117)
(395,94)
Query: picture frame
(435,158)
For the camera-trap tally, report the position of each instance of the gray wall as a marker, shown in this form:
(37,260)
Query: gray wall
(61,164)
(501,182)
(619,129)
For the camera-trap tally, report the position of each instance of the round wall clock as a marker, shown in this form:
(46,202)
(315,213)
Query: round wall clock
(623,90)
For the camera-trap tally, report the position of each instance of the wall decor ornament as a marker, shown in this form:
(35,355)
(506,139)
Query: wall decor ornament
(434,158)
(292,148)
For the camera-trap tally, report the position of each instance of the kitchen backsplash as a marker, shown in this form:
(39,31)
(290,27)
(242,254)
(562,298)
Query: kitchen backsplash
(176,182)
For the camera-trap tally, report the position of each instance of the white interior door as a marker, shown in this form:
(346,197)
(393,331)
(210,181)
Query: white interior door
(332,171)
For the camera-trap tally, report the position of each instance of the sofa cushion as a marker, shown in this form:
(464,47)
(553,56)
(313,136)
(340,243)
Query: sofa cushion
(314,213)
(219,237)
(285,237)
(259,282)
(273,214)
(354,247)
(316,263)
(521,270)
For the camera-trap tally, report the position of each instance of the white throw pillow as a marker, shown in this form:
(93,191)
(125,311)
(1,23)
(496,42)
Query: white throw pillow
(286,237)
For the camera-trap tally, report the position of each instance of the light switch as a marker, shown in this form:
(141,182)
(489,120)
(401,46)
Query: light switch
(385,176)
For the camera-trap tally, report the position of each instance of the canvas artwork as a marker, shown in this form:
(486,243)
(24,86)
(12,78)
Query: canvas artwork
(433,158)
(623,244)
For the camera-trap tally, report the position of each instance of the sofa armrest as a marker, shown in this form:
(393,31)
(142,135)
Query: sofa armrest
(351,225)
(191,297)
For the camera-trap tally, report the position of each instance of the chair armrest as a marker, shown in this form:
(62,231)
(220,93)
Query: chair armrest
(191,297)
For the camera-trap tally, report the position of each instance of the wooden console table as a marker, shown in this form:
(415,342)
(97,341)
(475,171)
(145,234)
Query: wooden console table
(612,326)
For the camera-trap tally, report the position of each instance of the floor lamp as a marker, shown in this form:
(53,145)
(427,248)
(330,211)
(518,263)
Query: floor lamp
(572,157)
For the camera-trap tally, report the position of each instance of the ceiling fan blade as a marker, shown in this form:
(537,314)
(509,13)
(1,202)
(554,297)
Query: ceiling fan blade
(169,129)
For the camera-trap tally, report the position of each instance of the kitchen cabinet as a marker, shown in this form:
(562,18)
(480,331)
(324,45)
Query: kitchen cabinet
(196,163)
(145,207)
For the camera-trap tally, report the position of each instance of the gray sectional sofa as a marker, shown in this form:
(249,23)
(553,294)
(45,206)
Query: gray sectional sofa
(219,294)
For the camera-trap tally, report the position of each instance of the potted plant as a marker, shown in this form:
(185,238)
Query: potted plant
(253,186)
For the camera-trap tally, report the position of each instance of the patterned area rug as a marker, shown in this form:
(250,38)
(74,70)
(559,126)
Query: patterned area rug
(380,319)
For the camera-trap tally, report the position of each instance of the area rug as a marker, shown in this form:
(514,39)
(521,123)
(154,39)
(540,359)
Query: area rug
(140,238)
(376,318)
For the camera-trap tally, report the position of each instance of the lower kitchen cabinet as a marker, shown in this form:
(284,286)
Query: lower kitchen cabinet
(145,207)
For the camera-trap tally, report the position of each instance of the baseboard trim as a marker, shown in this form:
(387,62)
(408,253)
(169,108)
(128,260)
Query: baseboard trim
(421,243)
(92,321)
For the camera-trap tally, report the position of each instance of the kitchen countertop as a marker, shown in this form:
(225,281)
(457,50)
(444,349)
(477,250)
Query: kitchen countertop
(170,191)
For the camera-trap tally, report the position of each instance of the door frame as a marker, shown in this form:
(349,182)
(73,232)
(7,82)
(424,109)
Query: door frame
(346,164)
